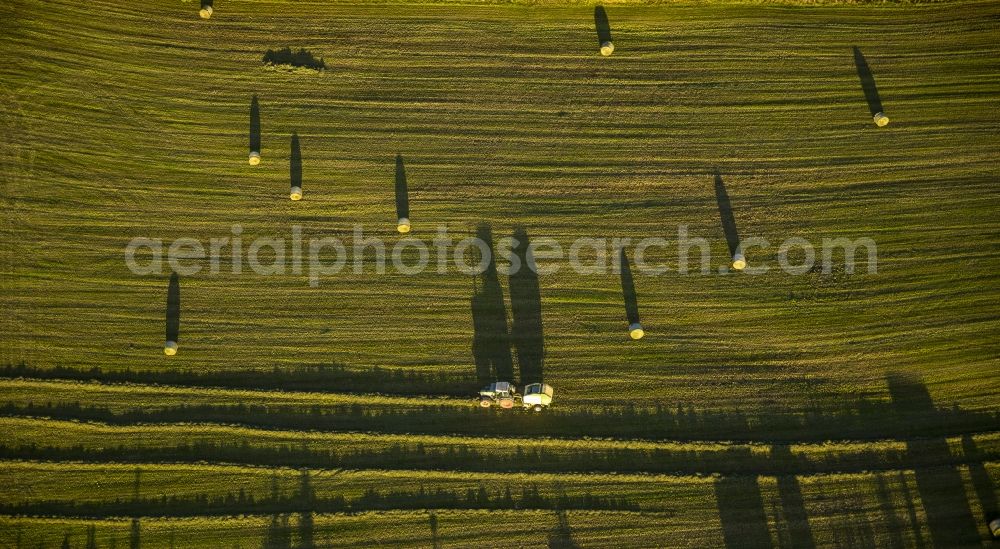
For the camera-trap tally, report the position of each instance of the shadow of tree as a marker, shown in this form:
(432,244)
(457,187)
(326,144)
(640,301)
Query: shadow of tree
(279,533)
(795,528)
(741,510)
(134,538)
(435,540)
(561,537)
(894,526)
(333,378)
(307,502)
(981,481)
(941,489)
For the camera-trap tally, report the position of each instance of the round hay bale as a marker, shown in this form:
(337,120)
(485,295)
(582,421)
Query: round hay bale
(607,48)
(403,226)
(254,158)
(296,193)
(995,527)
(206,11)
(881,119)
(635,331)
(170,349)
(739,262)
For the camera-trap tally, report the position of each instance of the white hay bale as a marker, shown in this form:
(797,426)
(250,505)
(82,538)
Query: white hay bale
(880,119)
(607,48)
(170,349)
(206,11)
(296,193)
(995,527)
(635,331)
(739,261)
(254,158)
(403,226)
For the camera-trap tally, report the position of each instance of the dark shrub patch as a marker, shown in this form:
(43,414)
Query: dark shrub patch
(301,58)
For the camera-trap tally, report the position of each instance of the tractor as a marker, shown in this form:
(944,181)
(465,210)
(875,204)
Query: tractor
(536,396)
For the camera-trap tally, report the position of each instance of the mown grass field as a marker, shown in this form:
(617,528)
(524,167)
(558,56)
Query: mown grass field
(826,410)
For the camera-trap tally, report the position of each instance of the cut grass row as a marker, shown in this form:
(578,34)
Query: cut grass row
(35,438)
(394,528)
(871,508)
(907,416)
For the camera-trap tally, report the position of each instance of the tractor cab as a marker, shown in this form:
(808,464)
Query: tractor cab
(500,392)
(537,396)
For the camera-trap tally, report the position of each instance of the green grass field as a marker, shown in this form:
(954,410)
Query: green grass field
(811,410)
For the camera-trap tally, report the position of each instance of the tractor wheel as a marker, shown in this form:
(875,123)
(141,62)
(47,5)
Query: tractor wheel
(537,407)
(485,403)
(506,403)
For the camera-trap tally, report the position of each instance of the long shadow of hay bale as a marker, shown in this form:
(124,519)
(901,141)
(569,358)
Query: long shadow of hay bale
(628,293)
(728,223)
(254,131)
(603,27)
(868,85)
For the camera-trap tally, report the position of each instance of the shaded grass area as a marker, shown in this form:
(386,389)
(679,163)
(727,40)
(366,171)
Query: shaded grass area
(218,443)
(805,161)
(334,378)
(869,508)
(862,419)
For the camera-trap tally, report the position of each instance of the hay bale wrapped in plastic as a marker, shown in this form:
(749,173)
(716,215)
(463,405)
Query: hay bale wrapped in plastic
(170,348)
(739,261)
